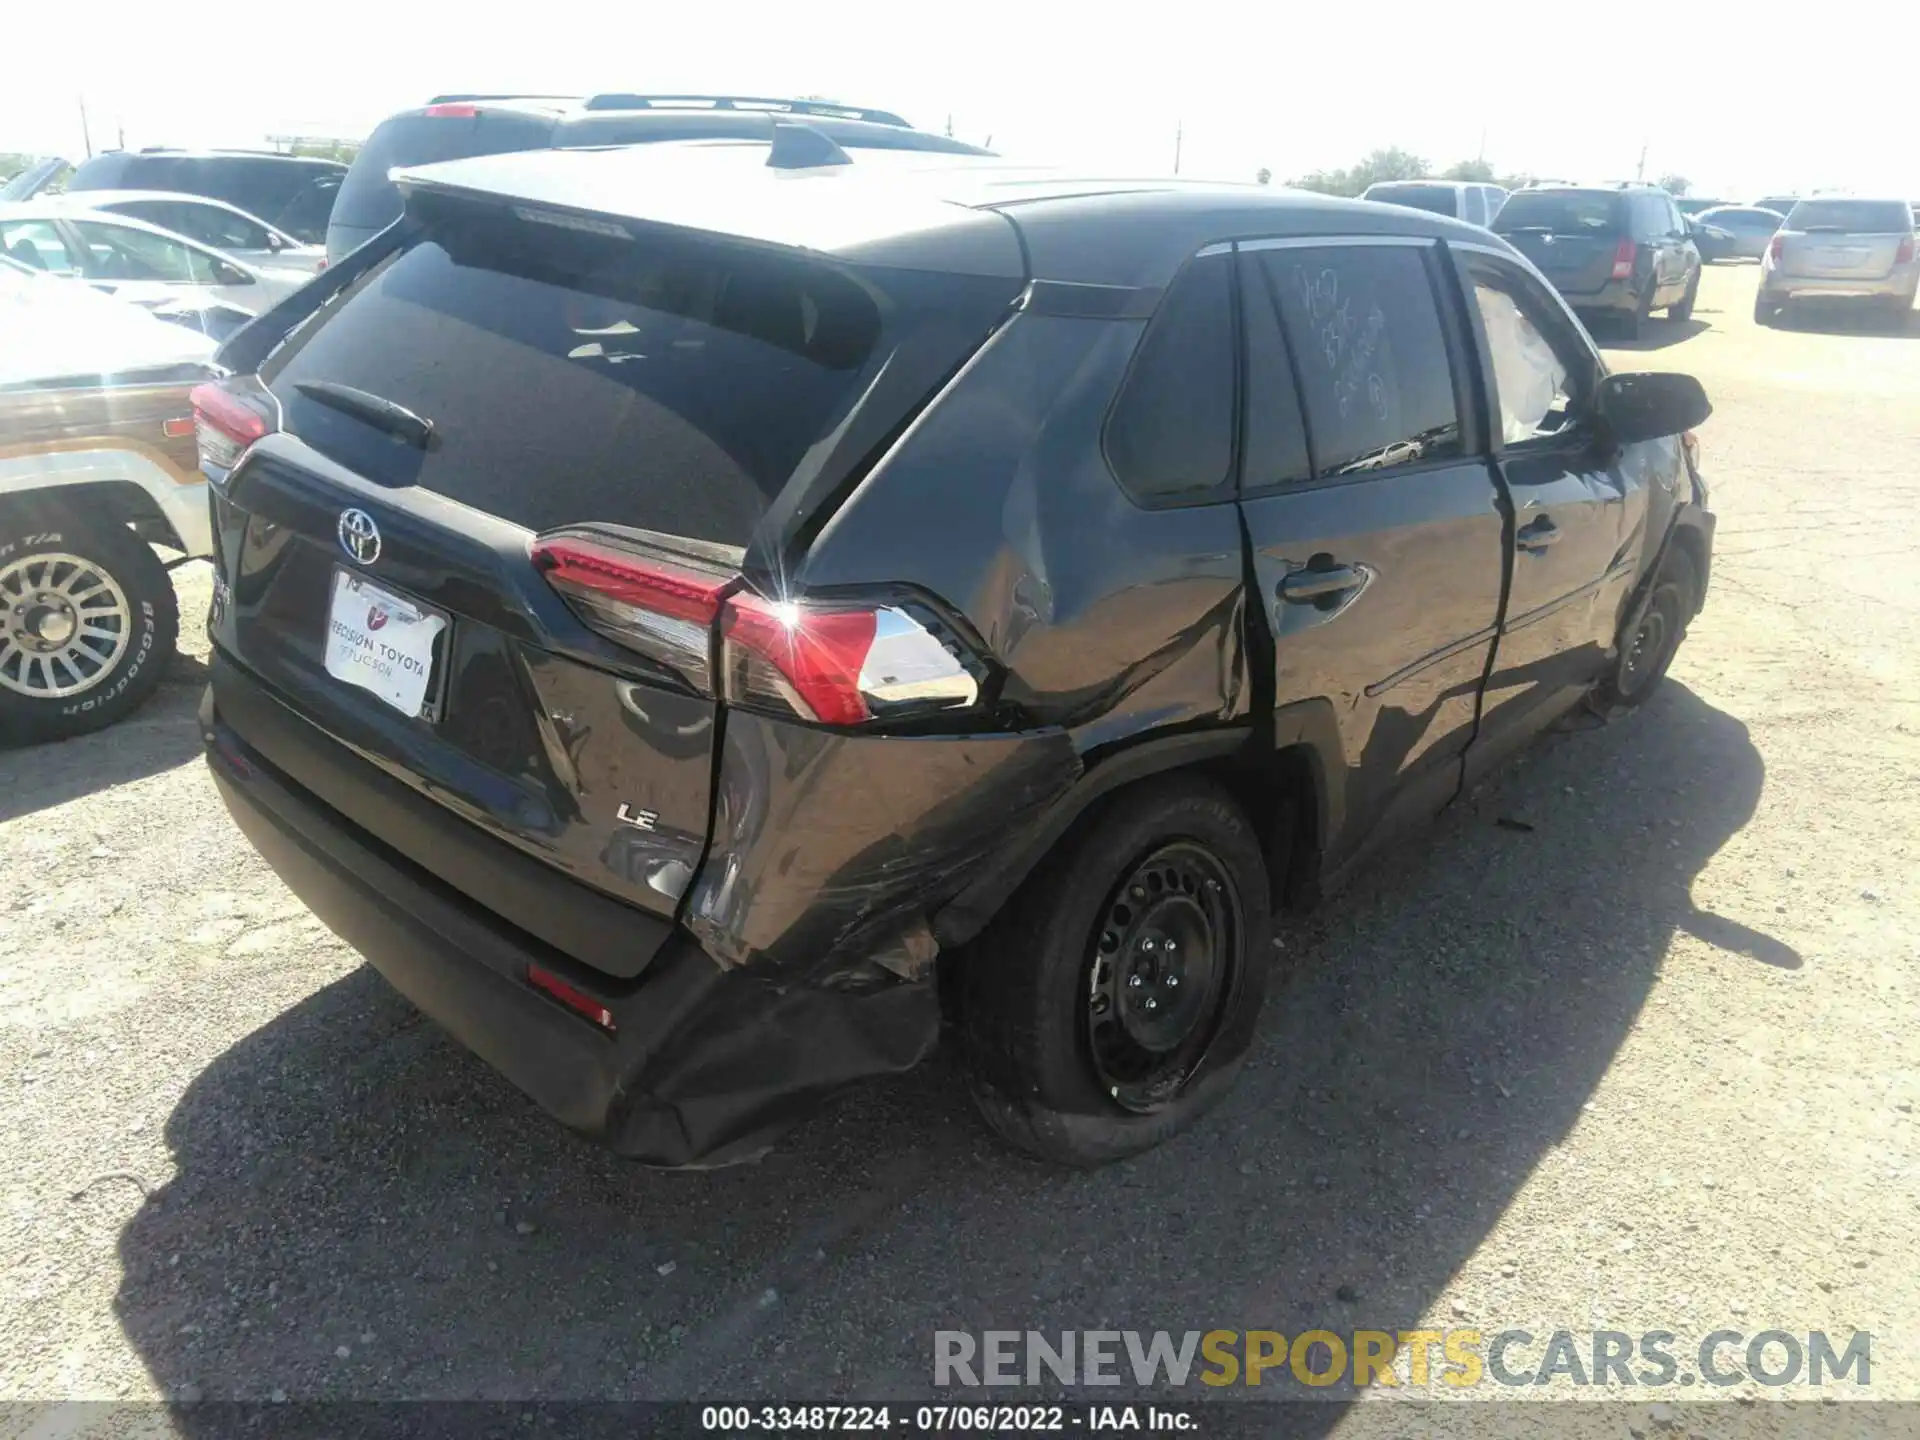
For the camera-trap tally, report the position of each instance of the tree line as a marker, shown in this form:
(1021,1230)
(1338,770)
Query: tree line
(1393,163)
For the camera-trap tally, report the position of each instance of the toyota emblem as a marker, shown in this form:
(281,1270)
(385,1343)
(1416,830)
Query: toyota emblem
(359,536)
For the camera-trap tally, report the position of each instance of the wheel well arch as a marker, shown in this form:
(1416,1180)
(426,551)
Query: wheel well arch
(93,502)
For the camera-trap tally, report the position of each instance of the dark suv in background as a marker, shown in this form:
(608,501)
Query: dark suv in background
(458,127)
(1616,251)
(294,193)
(692,626)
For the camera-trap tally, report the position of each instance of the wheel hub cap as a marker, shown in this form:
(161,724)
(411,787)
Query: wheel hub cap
(64,625)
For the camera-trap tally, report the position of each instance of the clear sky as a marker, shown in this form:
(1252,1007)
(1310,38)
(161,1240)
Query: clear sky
(1741,98)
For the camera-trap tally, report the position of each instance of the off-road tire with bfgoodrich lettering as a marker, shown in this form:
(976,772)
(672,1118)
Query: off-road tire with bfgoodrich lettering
(153,624)
(1023,985)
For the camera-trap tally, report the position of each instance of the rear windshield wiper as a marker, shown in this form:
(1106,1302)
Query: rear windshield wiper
(396,420)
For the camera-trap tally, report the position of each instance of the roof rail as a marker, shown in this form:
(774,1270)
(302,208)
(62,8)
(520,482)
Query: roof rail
(516,95)
(826,109)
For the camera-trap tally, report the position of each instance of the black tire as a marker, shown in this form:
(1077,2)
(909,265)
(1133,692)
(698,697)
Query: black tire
(56,680)
(1047,1020)
(1684,310)
(1765,312)
(1636,323)
(1645,654)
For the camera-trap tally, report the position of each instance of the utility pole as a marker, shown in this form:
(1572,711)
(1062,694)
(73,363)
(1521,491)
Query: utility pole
(86,135)
(1641,173)
(1179,134)
(1483,145)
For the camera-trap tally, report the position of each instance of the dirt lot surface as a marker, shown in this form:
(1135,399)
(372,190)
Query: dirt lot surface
(1650,1064)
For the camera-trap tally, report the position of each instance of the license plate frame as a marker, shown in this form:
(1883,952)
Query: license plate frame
(433,697)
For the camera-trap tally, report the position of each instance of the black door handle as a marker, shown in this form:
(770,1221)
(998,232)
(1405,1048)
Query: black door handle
(1537,536)
(1304,586)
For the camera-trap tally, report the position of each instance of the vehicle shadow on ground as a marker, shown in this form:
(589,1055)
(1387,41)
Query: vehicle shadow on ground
(1657,334)
(362,1210)
(1810,318)
(160,735)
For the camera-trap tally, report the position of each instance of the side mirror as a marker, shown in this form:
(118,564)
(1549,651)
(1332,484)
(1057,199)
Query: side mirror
(275,243)
(1651,406)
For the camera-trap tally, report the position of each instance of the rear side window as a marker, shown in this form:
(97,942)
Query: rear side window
(1365,333)
(209,224)
(1859,217)
(570,377)
(369,201)
(1563,212)
(1170,437)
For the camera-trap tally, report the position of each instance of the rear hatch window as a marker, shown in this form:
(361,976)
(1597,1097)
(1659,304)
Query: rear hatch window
(1853,217)
(1563,212)
(369,201)
(571,376)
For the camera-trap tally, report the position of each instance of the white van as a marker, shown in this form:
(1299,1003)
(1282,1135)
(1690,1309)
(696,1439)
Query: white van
(1466,200)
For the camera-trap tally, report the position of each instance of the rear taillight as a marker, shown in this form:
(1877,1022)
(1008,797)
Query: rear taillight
(1690,444)
(179,427)
(836,663)
(1904,254)
(1623,259)
(226,422)
(453,111)
(1774,247)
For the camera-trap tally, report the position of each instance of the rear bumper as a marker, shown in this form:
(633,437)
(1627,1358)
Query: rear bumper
(705,1066)
(1616,297)
(1901,284)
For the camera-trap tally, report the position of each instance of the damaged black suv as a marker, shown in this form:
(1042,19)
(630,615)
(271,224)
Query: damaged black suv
(695,621)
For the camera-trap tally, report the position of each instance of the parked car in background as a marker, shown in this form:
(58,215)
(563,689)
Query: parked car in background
(214,223)
(1712,243)
(1616,251)
(455,127)
(97,466)
(293,193)
(135,260)
(1844,247)
(1779,204)
(682,734)
(1750,227)
(1694,204)
(1474,203)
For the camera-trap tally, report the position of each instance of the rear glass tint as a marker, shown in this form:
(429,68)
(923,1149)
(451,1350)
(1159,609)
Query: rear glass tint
(369,201)
(1862,217)
(1440,199)
(1563,212)
(571,377)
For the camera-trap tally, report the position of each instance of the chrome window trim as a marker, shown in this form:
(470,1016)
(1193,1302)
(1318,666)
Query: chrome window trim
(1321,242)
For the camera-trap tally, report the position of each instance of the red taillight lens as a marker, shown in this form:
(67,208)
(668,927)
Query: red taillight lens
(1623,259)
(1774,247)
(574,999)
(833,663)
(662,607)
(790,655)
(1905,253)
(454,111)
(179,427)
(225,423)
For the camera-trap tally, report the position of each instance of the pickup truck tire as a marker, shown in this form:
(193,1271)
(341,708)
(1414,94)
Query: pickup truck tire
(88,622)
(1080,1045)
(1645,654)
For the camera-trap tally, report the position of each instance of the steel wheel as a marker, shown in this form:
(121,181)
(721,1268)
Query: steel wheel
(1161,965)
(64,625)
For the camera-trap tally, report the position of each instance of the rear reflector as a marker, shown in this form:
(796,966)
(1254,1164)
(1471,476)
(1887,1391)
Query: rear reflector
(177,428)
(453,111)
(577,1001)
(1623,259)
(1904,254)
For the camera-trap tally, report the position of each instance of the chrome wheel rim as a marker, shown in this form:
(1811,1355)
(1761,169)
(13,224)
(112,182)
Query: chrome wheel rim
(64,625)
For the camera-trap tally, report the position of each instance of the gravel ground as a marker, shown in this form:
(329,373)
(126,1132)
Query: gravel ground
(1651,1064)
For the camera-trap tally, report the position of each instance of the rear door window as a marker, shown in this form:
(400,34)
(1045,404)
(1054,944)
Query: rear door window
(37,244)
(120,252)
(570,377)
(1439,199)
(1170,436)
(1365,330)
